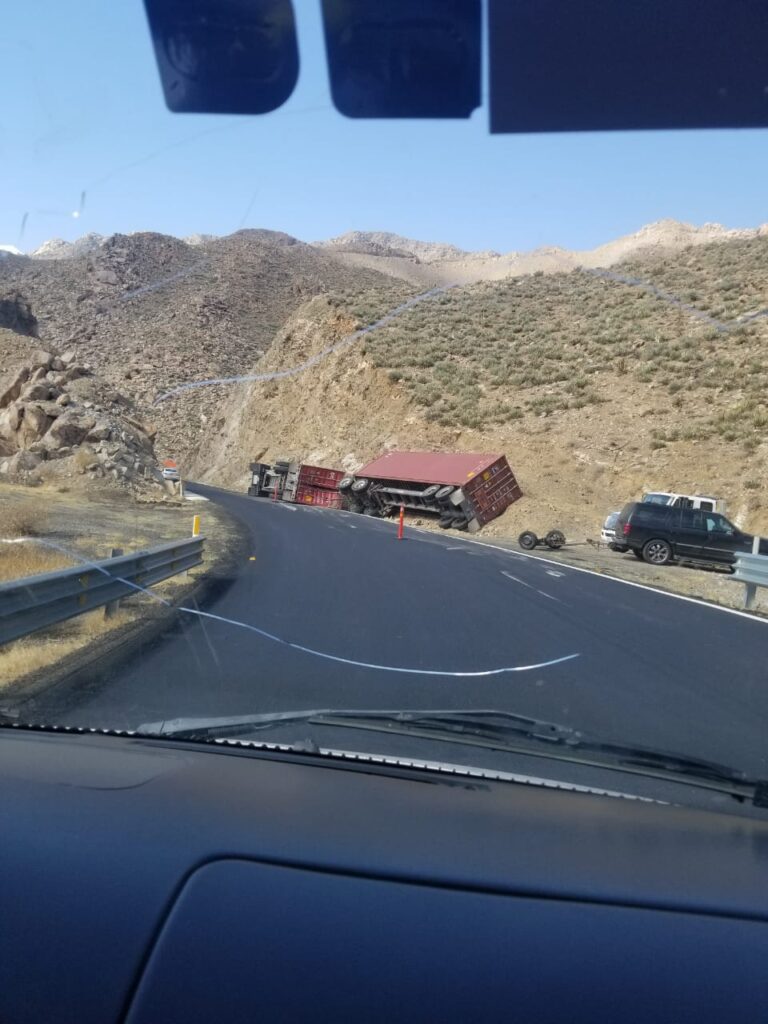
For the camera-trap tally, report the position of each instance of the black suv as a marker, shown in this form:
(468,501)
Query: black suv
(661,533)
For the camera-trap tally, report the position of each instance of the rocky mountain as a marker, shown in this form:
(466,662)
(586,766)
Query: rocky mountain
(385,243)
(58,249)
(150,312)
(427,264)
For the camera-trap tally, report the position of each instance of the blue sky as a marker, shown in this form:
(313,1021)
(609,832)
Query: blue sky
(82,110)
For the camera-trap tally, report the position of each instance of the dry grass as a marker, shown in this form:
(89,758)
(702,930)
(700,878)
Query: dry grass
(25,519)
(29,559)
(43,650)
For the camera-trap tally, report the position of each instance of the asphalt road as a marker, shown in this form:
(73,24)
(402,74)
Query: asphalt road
(644,667)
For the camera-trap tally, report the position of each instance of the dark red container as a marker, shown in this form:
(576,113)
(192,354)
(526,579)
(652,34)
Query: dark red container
(319,476)
(429,467)
(317,496)
(486,480)
(492,490)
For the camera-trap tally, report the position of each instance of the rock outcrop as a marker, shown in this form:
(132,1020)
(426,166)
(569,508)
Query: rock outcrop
(57,420)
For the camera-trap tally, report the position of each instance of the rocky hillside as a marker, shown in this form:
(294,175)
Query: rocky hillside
(150,312)
(59,422)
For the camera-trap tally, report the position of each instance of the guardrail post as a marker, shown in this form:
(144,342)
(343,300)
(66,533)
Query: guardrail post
(111,609)
(750,589)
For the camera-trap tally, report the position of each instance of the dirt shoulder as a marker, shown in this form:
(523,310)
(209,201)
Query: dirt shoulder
(74,528)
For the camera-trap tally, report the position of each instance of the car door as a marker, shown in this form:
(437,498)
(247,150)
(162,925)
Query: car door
(722,539)
(690,534)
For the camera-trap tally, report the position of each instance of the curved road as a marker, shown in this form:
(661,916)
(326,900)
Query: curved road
(649,668)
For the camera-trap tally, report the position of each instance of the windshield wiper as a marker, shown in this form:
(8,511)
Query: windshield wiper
(492,729)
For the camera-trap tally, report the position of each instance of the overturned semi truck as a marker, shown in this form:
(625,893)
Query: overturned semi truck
(296,482)
(464,490)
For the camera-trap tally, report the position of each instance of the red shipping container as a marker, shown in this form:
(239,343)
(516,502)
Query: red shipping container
(319,476)
(318,496)
(429,467)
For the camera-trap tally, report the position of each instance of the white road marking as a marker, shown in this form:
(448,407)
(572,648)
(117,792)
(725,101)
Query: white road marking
(550,572)
(627,583)
(528,585)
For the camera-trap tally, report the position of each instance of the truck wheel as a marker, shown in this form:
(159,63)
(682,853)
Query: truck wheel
(555,539)
(430,492)
(657,552)
(528,540)
(360,485)
(444,523)
(444,493)
(345,483)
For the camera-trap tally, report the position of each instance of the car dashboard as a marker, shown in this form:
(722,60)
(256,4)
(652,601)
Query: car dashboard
(156,881)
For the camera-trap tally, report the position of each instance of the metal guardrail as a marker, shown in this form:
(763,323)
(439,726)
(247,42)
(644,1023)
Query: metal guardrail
(33,603)
(752,571)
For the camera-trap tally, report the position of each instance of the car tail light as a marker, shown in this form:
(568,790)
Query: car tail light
(625,529)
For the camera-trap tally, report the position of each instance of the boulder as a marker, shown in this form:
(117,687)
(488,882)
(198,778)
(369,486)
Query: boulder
(64,399)
(100,431)
(58,364)
(36,391)
(51,408)
(10,386)
(69,429)
(68,357)
(73,372)
(10,418)
(39,357)
(20,464)
(33,426)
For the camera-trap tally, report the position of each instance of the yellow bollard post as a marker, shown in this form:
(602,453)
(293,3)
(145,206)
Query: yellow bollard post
(195,526)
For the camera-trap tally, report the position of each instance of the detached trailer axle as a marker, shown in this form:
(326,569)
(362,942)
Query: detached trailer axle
(554,539)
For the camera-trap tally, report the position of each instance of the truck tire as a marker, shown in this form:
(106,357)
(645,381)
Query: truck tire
(657,551)
(555,539)
(528,540)
(345,483)
(431,492)
(445,522)
(444,493)
(360,485)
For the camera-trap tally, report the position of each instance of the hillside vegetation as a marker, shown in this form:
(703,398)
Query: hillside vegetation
(494,353)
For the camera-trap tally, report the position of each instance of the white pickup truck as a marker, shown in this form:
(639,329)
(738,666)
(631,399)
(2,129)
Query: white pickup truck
(703,501)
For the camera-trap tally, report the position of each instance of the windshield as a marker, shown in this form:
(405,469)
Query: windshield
(657,499)
(309,409)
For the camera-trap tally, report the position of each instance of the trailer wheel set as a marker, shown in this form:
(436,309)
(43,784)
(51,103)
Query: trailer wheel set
(554,539)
